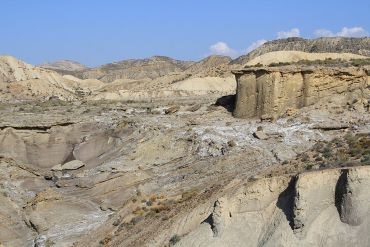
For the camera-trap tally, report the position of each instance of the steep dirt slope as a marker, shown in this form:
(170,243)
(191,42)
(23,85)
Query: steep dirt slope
(22,81)
(14,70)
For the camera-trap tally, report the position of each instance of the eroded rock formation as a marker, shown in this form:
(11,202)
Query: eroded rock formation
(269,92)
(321,208)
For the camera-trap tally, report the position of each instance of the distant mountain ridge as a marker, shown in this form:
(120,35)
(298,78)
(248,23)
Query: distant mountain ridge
(149,68)
(215,65)
(67,65)
(360,46)
(22,81)
(152,68)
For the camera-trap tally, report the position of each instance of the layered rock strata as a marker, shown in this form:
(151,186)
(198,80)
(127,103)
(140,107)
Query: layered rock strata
(268,92)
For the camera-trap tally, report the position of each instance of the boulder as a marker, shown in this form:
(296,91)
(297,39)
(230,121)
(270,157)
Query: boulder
(172,110)
(283,153)
(73,165)
(260,135)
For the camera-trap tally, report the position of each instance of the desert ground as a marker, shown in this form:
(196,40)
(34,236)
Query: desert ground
(160,152)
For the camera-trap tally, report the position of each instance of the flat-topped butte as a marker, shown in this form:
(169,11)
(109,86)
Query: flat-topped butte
(268,92)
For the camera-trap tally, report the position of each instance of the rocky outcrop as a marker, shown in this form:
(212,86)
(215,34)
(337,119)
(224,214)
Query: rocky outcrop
(321,208)
(359,46)
(268,92)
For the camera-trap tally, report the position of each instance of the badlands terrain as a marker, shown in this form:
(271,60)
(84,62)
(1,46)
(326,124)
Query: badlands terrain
(269,149)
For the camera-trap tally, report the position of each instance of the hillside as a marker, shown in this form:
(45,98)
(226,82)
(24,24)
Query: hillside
(211,76)
(210,66)
(152,68)
(140,80)
(359,46)
(22,81)
(12,70)
(149,68)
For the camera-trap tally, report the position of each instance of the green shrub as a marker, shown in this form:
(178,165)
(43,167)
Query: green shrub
(365,159)
(319,158)
(174,239)
(327,152)
(285,162)
(309,167)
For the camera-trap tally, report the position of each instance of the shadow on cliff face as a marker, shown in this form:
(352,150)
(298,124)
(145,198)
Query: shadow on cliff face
(227,101)
(286,202)
(340,190)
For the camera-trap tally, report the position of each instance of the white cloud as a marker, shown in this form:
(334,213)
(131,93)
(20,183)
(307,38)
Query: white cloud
(352,32)
(221,48)
(294,32)
(255,45)
(345,32)
(324,33)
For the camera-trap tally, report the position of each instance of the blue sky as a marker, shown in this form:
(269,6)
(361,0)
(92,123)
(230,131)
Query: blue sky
(95,32)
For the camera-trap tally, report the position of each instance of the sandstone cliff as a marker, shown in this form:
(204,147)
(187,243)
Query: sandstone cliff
(359,46)
(321,208)
(269,92)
